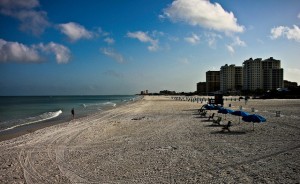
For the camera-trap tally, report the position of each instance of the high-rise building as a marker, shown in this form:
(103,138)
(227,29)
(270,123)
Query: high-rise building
(212,81)
(231,78)
(252,74)
(262,74)
(272,74)
(201,88)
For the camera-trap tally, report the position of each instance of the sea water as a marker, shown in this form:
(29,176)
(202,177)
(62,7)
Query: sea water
(20,111)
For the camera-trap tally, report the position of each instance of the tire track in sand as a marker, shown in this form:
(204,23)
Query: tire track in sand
(48,152)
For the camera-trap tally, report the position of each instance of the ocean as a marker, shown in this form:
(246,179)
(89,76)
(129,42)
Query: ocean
(17,112)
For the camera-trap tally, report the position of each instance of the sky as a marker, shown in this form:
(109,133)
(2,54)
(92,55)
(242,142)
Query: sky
(114,47)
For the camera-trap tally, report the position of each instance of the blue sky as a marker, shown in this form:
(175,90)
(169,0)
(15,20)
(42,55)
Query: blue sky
(95,47)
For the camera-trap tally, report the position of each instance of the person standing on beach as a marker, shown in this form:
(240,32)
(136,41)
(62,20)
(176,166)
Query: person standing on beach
(73,112)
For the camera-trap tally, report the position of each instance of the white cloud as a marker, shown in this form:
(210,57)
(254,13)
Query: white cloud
(212,39)
(298,16)
(18,52)
(289,33)
(102,32)
(62,53)
(193,39)
(277,32)
(31,20)
(75,31)
(202,13)
(237,42)
(144,37)
(230,49)
(109,40)
(112,54)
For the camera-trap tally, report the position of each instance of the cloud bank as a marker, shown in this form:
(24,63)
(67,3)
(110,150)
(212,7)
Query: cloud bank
(202,13)
(32,20)
(20,53)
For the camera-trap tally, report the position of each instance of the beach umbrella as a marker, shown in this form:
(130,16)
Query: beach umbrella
(240,113)
(225,111)
(216,107)
(208,107)
(254,118)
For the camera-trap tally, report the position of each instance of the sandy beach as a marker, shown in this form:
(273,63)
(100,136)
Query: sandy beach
(160,140)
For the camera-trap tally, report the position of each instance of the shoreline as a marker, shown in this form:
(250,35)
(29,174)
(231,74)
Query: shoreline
(160,140)
(26,129)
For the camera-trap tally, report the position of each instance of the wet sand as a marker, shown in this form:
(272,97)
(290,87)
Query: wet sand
(160,140)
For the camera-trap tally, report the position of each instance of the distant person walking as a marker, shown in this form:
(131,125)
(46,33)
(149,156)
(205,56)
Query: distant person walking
(73,112)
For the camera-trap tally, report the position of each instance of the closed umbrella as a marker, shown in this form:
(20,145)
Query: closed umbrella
(254,118)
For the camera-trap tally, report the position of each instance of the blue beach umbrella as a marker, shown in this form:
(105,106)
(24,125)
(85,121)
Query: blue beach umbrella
(240,113)
(254,118)
(216,107)
(225,111)
(208,107)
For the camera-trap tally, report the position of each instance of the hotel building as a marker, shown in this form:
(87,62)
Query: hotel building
(201,88)
(212,81)
(262,74)
(231,78)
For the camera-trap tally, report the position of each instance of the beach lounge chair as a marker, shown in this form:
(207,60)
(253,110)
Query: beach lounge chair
(203,113)
(211,117)
(217,121)
(200,110)
(226,127)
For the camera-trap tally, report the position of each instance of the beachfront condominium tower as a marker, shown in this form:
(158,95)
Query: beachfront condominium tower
(212,81)
(231,78)
(262,74)
(272,74)
(201,88)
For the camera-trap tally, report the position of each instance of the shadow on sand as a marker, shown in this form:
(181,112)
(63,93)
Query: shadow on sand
(191,109)
(199,116)
(214,125)
(229,133)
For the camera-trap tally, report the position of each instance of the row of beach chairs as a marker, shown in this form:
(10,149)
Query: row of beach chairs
(217,121)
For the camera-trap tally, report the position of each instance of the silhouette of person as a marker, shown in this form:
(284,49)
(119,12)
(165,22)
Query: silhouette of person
(73,112)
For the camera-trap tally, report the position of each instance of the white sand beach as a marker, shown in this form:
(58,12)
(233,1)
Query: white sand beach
(160,140)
